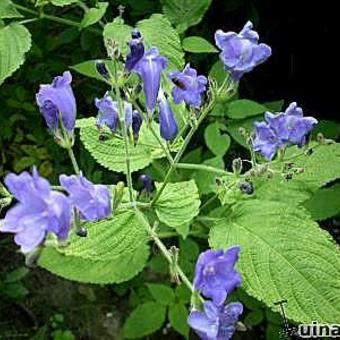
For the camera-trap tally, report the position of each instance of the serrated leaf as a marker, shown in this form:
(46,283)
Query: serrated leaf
(198,45)
(158,32)
(178,315)
(284,255)
(325,203)
(184,13)
(115,250)
(178,204)
(88,68)
(216,141)
(111,153)
(93,15)
(244,108)
(161,293)
(15,41)
(62,3)
(144,320)
(8,11)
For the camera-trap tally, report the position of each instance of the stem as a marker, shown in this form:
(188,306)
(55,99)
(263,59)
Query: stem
(170,234)
(126,142)
(24,9)
(74,161)
(201,167)
(208,202)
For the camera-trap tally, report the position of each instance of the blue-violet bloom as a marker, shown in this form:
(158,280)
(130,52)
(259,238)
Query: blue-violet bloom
(282,129)
(137,121)
(136,50)
(167,121)
(188,86)
(241,52)
(215,276)
(147,183)
(150,68)
(39,210)
(215,323)
(58,98)
(109,113)
(92,201)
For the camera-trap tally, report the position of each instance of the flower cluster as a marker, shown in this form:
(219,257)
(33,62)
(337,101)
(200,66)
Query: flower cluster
(282,129)
(216,278)
(41,210)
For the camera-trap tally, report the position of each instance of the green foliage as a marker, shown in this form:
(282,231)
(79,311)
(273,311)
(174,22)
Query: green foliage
(178,315)
(254,318)
(198,45)
(217,141)
(88,68)
(161,293)
(12,286)
(15,41)
(185,13)
(178,204)
(62,3)
(284,255)
(244,108)
(115,250)
(93,15)
(8,11)
(144,320)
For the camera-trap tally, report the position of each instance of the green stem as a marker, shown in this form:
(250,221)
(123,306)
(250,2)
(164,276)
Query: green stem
(208,202)
(74,161)
(201,167)
(170,234)
(24,9)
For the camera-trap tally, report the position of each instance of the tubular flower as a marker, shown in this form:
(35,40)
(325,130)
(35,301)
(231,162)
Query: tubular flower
(136,50)
(167,121)
(137,121)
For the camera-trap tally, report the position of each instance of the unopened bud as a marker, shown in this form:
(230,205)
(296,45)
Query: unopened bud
(118,194)
(82,232)
(246,188)
(237,166)
(102,69)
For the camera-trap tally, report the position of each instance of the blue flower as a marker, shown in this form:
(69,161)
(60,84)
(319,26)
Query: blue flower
(58,98)
(39,210)
(189,87)
(147,183)
(215,323)
(167,121)
(215,276)
(109,113)
(282,129)
(150,68)
(92,201)
(136,50)
(241,52)
(137,121)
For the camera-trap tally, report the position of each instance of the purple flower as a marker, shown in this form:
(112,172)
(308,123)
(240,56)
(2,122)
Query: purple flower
(147,183)
(102,69)
(58,98)
(150,68)
(39,211)
(137,121)
(189,87)
(136,50)
(109,113)
(241,52)
(215,323)
(215,276)
(92,201)
(167,122)
(282,129)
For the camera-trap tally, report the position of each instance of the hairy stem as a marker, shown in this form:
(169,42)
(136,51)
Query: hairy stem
(201,167)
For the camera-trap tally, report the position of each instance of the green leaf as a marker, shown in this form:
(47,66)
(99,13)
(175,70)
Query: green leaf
(183,294)
(111,153)
(88,68)
(178,316)
(144,320)
(15,41)
(284,255)
(218,73)
(62,3)
(275,106)
(254,318)
(273,332)
(119,33)
(16,275)
(178,204)
(198,45)
(115,250)
(185,13)
(244,108)
(161,293)
(216,141)
(8,11)
(157,31)
(328,128)
(325,203)
(93,15)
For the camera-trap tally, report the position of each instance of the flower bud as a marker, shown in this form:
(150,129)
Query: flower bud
(137,121)
(237,166)
(246,188)
(82,232)
(102,69)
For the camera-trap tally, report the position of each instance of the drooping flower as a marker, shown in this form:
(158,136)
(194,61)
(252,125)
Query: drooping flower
(58,98)
(188,86)
(92,201)
(39,210)
(167,121)
(241,52)
(215,323)
(102,69)
(137,121)
(215,276)
(282,129)
(150,68)
(136,50)
(109,113)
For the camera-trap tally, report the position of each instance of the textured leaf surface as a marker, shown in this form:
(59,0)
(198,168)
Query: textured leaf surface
(15,41)
(111,153)
(284,255)
(94,14)
(185,13)
(115,250)
(178,204)
(144,320)
(198,45)
(63,2)
(7,10)
(158,32)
